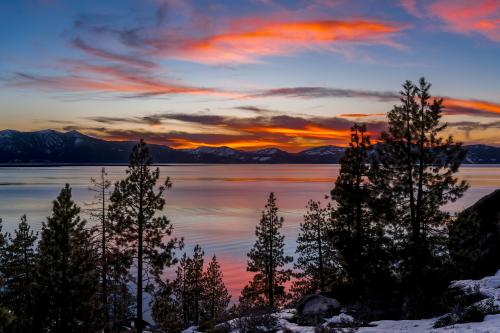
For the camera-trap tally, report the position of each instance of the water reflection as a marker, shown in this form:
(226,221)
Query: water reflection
(216,206)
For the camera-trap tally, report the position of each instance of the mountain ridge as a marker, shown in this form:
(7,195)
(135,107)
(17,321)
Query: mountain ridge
(72,147)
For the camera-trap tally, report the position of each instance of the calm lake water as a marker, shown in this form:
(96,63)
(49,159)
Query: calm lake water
(216,206)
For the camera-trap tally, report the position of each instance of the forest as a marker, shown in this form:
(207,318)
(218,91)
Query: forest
(381,246)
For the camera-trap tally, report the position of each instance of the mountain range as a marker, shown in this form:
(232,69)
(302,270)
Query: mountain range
(53,147)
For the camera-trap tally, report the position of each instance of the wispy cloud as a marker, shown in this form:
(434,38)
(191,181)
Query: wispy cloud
(117,79)
(248,40)
(326,92)
(452,106)
(460,16)
(292,133)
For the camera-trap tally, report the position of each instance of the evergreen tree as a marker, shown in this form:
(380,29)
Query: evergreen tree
(215,297)
(192,296)
(167,308)
(112,265)
(195,276)
(66,279)
(317,259)
(17,269)
(416,170)
(267,260)
(188,284)
(141,234)
(351,194)
(6,316)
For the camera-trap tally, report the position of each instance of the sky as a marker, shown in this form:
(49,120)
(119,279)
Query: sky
(245,74)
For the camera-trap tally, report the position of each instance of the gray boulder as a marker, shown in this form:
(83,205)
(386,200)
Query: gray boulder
(318,305)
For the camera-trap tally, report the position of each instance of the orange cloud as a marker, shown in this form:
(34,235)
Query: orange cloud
(309,131)
(247,40)
(461,16)
(242,144)
(487,107)
(111,79)
(361,115)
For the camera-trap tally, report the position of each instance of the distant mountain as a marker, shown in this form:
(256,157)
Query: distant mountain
(53,147)
(482,154)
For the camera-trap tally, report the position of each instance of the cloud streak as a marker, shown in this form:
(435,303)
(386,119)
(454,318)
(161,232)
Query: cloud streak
(247,40)
(287,132)
(460,16)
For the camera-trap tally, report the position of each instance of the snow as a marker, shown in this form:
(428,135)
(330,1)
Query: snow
(340,319)
(488,286)
(268,151)
(323,151)
(219,151)
(490,324)
(7,133)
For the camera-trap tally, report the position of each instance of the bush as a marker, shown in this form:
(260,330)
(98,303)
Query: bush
(257,323)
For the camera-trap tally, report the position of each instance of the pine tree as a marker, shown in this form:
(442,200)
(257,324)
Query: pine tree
(351,194)
(267,260)
(215,297)
(6,316)
(66,279)
(140,232)
(188,284)
(111,264)
(416,169)
(17,269)
(166,309)
(317,259)
(195,276)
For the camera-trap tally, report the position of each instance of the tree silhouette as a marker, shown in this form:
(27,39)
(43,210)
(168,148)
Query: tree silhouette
(267,260)
(66,279)
(215,297)
(142,235)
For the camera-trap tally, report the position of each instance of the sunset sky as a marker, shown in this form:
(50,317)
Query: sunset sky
(244,74)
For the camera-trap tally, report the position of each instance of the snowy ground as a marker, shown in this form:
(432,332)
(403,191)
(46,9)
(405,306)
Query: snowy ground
(488,286)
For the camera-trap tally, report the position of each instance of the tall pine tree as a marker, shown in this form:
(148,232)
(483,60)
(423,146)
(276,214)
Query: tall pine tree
(6,316)
(317,259)
(111,264)
(66,278)
(17,269)
(351,195)
(215,297)
(267,260)
(142,234)
(416,169)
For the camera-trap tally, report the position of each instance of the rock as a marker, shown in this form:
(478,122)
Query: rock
(474,238)
(318,305)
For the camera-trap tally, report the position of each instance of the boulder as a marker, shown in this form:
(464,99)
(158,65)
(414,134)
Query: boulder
(318,305)
(474,238)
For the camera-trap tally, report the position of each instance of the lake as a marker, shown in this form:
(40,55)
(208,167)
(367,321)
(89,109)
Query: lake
(216,206)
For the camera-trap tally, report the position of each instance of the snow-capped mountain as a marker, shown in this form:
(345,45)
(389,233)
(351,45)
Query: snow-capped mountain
(49,146)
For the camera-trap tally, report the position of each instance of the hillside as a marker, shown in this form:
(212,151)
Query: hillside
(53,147)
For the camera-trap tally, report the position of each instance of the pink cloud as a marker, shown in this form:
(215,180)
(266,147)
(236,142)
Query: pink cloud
(461,16)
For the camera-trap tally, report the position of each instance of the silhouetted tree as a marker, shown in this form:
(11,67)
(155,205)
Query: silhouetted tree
(167,308)
(351,194)
(317,259)
(66,278)
(141,233)
(418,166)
(111,264)
(215,297)
(267,260)
(6,316)
(17,268)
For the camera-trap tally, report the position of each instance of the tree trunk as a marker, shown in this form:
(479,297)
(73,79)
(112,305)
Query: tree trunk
(104,260)
(320,256)
(139,257)
(271,272)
